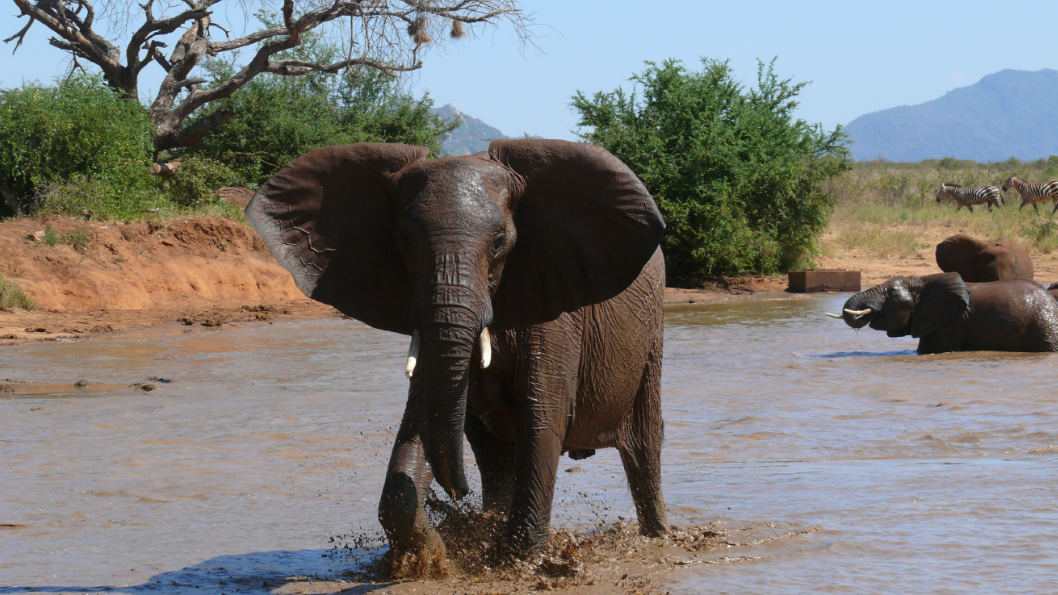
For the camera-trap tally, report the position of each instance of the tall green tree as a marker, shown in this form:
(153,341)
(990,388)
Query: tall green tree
(738,178)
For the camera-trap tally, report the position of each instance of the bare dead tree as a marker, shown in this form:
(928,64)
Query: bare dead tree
(387,35)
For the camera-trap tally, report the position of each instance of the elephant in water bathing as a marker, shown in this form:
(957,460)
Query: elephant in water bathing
(946,314)
(530,280)
(978,261)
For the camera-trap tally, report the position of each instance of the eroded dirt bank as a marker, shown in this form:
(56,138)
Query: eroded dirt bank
(89,277)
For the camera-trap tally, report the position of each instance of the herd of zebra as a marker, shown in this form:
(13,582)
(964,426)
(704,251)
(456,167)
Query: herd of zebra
(1031,194)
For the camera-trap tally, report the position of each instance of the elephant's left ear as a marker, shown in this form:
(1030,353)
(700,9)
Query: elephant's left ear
(941,300)
(586,226)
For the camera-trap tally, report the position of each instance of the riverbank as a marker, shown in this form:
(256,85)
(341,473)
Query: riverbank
(89,277)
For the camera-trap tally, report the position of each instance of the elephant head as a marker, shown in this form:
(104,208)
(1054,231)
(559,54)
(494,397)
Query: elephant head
(443,249)
(915,306)
(980,261)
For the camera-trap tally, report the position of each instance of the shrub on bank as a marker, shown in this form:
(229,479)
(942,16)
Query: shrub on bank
(197,178)
(737,177)
(79,132)
(12,296)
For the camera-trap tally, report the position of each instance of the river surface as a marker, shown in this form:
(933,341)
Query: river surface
(924,474)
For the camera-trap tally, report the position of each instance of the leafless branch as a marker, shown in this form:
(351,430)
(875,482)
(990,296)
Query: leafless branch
(21,35)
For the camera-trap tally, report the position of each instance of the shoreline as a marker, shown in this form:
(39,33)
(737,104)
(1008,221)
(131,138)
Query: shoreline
(98,277)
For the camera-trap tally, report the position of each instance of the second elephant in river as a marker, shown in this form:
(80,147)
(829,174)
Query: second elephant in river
(978,261)
(945,314)
(530,280)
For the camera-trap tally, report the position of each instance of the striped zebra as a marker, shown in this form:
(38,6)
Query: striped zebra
(1034,193)
(973,195)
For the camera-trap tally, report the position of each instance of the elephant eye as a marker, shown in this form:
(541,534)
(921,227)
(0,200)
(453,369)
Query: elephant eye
(404,239)
(499,243)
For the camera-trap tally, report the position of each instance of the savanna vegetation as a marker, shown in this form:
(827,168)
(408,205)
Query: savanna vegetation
(889,210)
(180,38)
(739,179)
(79,148)
(12,296)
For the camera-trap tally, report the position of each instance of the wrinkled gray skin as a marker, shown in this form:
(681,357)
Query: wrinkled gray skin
(553,247)
(946,314)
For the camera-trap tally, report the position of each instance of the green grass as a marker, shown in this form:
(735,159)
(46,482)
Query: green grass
(12,296)
(51,237)
(880,243)
(78,238)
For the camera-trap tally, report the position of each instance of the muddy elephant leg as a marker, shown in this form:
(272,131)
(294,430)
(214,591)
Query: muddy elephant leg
(408,478)
(495,460)
(641,451)
(543,398)
(536,469)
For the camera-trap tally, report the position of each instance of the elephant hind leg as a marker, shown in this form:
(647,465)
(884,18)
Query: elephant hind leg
(640,450)
(495,460)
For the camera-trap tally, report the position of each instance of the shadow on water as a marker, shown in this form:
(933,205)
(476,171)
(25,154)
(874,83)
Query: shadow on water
(254,572)
(859,354)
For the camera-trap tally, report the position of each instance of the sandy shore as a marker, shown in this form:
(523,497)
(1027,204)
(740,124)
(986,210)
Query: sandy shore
(214,271)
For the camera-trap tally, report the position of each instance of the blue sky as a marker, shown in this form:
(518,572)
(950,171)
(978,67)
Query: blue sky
(860,57)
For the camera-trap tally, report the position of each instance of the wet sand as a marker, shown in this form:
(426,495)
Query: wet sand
(810,458)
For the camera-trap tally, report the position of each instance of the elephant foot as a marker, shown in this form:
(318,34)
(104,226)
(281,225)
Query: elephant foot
(656,528)
(430,561)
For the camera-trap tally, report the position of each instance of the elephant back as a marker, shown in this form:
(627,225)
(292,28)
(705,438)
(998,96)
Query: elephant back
(981,261)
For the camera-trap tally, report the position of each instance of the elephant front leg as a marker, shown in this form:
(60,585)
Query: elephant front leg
(400,510)
(536,470)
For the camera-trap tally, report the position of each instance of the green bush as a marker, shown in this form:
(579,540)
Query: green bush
(737,177)
(12,296)
(78,196)
(79,130)
(196,179)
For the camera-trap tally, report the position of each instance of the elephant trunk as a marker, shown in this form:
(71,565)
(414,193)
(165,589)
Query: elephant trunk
(861,308)
(448,339)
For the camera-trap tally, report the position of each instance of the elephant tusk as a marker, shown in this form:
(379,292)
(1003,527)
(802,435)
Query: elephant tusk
(833,315)
(413,353)
(486,348)
(858,312)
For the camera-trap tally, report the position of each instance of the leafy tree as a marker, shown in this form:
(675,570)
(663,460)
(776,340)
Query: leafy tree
(277,119)
(179,37)
(737,177)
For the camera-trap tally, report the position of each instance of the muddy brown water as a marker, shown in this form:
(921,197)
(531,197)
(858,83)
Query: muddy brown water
(887,471)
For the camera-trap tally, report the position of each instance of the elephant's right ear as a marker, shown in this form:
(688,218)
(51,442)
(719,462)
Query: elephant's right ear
(329,217)
(940,300)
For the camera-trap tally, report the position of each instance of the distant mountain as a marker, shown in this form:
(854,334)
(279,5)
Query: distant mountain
(1009,113)
(472,136)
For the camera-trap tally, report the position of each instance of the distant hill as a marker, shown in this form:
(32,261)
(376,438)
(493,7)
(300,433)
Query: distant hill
(472,136)
(1009,113)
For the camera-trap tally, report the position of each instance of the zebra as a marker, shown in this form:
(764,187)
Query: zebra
(1034,193)
(973,195)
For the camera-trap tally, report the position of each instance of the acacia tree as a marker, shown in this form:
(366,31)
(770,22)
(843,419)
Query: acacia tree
(386,35)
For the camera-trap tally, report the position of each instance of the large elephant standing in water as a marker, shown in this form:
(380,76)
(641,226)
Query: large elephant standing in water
(530,280)
(945,314)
